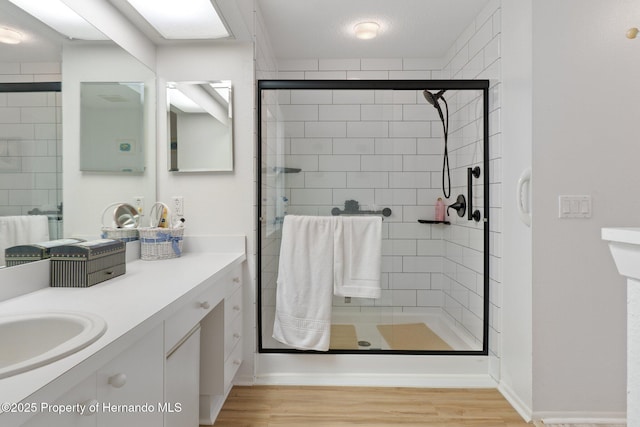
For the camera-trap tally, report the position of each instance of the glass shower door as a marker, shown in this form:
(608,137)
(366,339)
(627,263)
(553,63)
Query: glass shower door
(334,148)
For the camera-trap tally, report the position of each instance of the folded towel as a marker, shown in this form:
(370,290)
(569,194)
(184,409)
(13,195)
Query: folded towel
(358,257)
(305,279)
(21,230)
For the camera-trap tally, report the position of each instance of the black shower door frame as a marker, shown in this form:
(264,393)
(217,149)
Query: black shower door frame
(481,85)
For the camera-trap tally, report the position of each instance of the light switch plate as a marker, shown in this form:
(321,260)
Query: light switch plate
(574,206)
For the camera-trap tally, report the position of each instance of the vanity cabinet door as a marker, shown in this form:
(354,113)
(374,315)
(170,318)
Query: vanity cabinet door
(130,387)
(182,382)
(84,396)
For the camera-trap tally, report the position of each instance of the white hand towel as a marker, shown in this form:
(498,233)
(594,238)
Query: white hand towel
(305,279)
(21,230)
(358,257)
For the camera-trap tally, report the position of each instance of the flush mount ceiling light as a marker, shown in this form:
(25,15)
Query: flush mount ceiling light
(61,18)
(366,30)
(9,36)
(185,19)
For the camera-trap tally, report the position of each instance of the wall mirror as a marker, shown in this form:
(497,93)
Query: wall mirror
(33,153)
(200,121)
(112,127)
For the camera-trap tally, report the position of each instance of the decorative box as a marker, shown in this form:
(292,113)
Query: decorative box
(85,264)
(23,254)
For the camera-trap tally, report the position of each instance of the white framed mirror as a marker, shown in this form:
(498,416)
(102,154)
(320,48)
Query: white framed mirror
(200,126)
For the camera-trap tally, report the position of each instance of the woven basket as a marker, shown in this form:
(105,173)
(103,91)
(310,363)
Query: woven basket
(112,232)
(124,234)
(160,243)
(157,242)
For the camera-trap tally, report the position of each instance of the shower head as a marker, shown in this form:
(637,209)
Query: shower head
(433,98)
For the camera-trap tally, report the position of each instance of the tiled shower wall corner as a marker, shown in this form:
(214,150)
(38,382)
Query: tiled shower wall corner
(476,55)
(30,142)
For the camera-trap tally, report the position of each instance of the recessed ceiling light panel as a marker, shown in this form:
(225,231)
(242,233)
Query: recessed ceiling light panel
(61,18)
(185,19)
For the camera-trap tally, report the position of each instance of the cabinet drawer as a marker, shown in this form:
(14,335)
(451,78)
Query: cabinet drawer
(231,366)
(178,325)
(134,377)
(83,394)
(232,335)
(233,280)
(232,307)
(182,377)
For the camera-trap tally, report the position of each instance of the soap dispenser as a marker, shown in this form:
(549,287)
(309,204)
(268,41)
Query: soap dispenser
(439,210)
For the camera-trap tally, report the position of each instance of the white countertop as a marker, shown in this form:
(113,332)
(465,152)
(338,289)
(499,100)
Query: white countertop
(131,304)
(630,235)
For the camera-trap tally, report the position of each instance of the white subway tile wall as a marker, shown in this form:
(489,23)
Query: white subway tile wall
(30,142)
(363,145)
(476,55)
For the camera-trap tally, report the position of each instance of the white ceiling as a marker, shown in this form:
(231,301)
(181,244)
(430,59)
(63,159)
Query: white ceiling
(324,28)
(301,28)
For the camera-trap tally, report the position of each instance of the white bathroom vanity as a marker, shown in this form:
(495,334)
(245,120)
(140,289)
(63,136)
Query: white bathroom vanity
(169,354)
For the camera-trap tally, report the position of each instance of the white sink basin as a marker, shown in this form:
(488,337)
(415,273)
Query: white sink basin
(31,340)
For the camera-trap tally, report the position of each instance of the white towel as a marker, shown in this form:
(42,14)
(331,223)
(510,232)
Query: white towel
(358,257)
(20,230)
(305,282)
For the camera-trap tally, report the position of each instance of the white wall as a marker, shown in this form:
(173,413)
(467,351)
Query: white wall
(585,126)
(216,203)
(516,367)
(30,72)
(86,194)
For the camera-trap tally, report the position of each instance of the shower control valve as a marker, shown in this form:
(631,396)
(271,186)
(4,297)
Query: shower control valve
(460,206)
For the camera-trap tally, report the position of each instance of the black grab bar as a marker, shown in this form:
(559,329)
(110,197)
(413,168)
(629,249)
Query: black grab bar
(471,173)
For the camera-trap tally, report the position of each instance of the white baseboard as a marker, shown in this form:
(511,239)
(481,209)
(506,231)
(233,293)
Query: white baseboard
(378,380)
(589,418)
(514,400)
(244,380)
(373,370)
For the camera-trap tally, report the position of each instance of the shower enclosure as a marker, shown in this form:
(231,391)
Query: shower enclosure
(390,148)
(31,152)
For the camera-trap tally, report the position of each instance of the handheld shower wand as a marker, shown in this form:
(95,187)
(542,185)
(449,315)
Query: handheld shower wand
(433,99)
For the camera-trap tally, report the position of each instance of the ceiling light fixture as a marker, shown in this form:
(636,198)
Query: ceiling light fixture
(61,18)
(366,30)
(185,19)
(9,36)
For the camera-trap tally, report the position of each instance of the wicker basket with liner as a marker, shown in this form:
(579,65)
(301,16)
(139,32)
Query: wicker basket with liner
(160,240)
(124,222)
